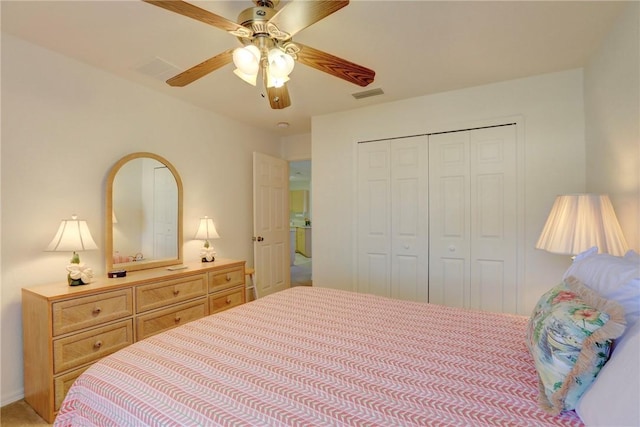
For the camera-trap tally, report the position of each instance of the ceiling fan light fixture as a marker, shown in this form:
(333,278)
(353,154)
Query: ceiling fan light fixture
(280,63)
(273,81)
(249,78)
(266,49)
(247,59)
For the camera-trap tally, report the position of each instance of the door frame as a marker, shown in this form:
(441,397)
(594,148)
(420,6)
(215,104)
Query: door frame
(289,161)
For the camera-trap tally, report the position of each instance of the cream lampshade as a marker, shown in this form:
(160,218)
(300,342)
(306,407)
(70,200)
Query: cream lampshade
(73,235)
(578,222)
(206,231)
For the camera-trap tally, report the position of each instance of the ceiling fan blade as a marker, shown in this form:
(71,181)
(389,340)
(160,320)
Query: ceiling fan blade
(191,11)
(278,97)
(335,66)
(298,15)
(202,69)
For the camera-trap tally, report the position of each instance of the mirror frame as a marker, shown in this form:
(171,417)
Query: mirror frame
(144,265)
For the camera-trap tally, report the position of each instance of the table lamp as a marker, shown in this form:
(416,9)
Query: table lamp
(73,235)
(578,222)
(207,230)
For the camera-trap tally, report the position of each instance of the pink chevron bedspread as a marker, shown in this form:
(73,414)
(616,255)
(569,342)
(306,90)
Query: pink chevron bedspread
(320,357)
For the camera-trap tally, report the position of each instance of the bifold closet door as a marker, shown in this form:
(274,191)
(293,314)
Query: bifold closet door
(473,219)
(393,218)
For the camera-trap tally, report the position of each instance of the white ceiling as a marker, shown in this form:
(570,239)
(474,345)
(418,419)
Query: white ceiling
(415,47)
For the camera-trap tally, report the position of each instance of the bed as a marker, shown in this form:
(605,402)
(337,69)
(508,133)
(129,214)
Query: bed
(319,356)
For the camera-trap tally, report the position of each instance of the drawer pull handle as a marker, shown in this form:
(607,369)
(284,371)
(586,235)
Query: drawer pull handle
(228,300)
(97,345)
(97,310)
(228,278)
(177,319)
(176,292)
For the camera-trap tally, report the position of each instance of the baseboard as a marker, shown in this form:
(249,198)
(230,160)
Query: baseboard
(11,397)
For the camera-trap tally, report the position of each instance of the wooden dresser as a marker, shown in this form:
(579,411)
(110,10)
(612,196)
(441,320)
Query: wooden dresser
(66,329)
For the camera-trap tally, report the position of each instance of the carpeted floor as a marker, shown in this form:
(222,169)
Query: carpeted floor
(301,271)
(20,414)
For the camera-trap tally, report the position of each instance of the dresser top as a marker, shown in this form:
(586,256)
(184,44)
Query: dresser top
(62,290)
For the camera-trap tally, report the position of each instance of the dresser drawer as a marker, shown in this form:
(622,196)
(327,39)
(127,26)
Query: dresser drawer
(84,312)
(225,279)
(63,383)
(161,294)
(224,300)
(162,320)
(85,347)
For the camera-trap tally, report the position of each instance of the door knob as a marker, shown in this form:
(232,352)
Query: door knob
(258,239)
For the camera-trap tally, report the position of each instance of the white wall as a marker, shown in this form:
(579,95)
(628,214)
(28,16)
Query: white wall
(64,124)
(612,111)
(297,147)
(551,109)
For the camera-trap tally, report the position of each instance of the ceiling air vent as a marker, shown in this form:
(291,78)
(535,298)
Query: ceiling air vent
(159,69)
(367,93)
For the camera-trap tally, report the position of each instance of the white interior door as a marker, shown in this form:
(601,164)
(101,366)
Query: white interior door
(270,223)
(393,218)
(165,214)
(449,219)
(374,218)
(473,219)
(409,219)
(494,218)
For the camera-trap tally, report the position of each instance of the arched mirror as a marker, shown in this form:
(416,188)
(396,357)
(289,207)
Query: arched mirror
(143,213)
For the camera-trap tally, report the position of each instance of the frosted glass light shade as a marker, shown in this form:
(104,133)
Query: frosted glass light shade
(73,235)
(249,78)
(247,59)
(280,63)
(206,230)
(578,222)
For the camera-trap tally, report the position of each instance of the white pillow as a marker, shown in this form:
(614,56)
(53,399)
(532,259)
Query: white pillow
(612,399)
(614,278)
(632,256)
(587,253)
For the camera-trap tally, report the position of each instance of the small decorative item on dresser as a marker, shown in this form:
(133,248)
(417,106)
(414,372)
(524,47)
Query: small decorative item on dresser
(74,235)
(117,273)
(206,231)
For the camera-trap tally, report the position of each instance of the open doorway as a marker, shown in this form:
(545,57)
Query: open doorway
(300,222)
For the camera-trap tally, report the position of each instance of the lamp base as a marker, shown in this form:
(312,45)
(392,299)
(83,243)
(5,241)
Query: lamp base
(75,282)
(208,260)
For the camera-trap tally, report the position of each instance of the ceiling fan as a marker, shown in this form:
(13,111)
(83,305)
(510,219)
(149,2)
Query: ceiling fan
(267,45)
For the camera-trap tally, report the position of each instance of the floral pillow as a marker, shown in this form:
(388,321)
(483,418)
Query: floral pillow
(569,336)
